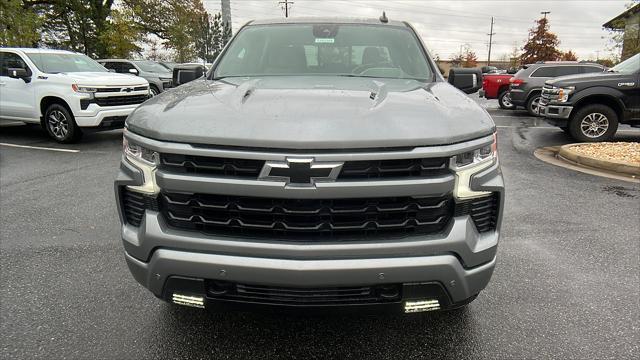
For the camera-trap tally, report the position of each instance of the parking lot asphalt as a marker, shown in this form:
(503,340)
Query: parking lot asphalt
(566,285)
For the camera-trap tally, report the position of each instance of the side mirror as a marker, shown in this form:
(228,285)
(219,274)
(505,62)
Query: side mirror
(183,74)
(133,71)
(467,80)
(112,70)
(19,73)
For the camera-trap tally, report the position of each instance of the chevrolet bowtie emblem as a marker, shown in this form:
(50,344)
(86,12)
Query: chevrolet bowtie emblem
(300,171)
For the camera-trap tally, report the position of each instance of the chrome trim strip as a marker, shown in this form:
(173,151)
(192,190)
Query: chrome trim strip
(280,155)
(323,190)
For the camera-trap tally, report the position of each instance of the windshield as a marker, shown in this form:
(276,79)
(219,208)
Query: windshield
(325,49)
(151,66)
(64,63)
(629,66)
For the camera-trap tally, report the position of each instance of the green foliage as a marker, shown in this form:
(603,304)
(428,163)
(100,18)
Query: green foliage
(73,24)
(212,35)
(100,30)
(121,35)
(625,38)
(183,25)
(19,26)
(542,44)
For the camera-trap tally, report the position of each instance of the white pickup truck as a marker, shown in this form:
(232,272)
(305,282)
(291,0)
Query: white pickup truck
(65,92)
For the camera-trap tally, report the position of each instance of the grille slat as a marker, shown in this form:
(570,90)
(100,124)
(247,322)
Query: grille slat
(135,204)
(483,211)
(397,168)
(242,168)
(301,296)
(351,170)
(307,219)
(121,100)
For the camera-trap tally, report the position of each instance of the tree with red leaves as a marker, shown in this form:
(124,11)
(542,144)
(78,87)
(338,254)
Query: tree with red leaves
(542,44)
(569,56)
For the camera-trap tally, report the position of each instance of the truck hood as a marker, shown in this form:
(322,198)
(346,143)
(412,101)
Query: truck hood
(104,79)
(576,80)
(312,113)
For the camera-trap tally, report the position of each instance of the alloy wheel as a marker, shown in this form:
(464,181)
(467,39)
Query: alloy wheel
(58,124)
(506,101)
(535,105)
(594,125)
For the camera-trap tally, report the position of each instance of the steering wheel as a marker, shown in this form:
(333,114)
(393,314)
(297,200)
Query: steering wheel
(362,68)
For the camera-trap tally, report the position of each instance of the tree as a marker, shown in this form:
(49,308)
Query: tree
(467,58)
(76,25)
(121,35)
(514,56)
(176,22)
(18,26)
(470,59)
(568,56)
(212,36)
(541,45)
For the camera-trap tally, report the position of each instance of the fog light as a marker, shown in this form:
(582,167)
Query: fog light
(413,306)
(186,300)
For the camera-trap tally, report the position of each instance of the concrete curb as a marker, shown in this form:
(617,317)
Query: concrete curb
(621,167)
(550,156)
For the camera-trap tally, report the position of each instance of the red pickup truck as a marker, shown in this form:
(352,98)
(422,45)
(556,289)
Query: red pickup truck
(496,86)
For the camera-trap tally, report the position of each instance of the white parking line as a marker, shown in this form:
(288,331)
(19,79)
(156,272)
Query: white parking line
(633,131)
(527,127)
(40,148)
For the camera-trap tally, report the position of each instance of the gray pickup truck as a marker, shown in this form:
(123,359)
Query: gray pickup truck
(321,163)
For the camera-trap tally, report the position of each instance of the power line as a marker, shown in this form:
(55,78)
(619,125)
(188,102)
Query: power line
(285,5)
(491,33)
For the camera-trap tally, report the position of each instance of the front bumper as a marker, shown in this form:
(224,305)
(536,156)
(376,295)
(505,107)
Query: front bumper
(460,283)
(460,258)
(555,111)
(93,115)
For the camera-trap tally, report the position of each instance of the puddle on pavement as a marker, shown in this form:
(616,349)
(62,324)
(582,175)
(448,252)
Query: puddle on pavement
(621,191)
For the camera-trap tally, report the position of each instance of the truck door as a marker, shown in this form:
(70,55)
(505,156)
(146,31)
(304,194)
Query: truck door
(17,97)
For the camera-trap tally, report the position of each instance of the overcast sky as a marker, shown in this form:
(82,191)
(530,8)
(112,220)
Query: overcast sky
(446,25)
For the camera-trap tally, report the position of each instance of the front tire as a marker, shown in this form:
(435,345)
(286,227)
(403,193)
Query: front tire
(154,90)
(594,123)
(504,100)
(533,105)
(61,125)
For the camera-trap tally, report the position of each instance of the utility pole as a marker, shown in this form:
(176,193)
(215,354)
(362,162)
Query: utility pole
(285,6)
(491,33)
(545,13)
(225,8)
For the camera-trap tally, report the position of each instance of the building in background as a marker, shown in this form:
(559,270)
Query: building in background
(629,23)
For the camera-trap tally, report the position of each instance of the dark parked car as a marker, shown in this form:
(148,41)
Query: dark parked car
(590,106)
(158,76)
(526,84)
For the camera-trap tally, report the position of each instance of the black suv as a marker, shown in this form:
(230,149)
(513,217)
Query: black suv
(590,106)
(526,84)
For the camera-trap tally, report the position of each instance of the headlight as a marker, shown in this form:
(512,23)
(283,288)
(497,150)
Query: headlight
(144,159)
(83,89)
(563,93)
(140,153)
(164,78)
(467,164)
